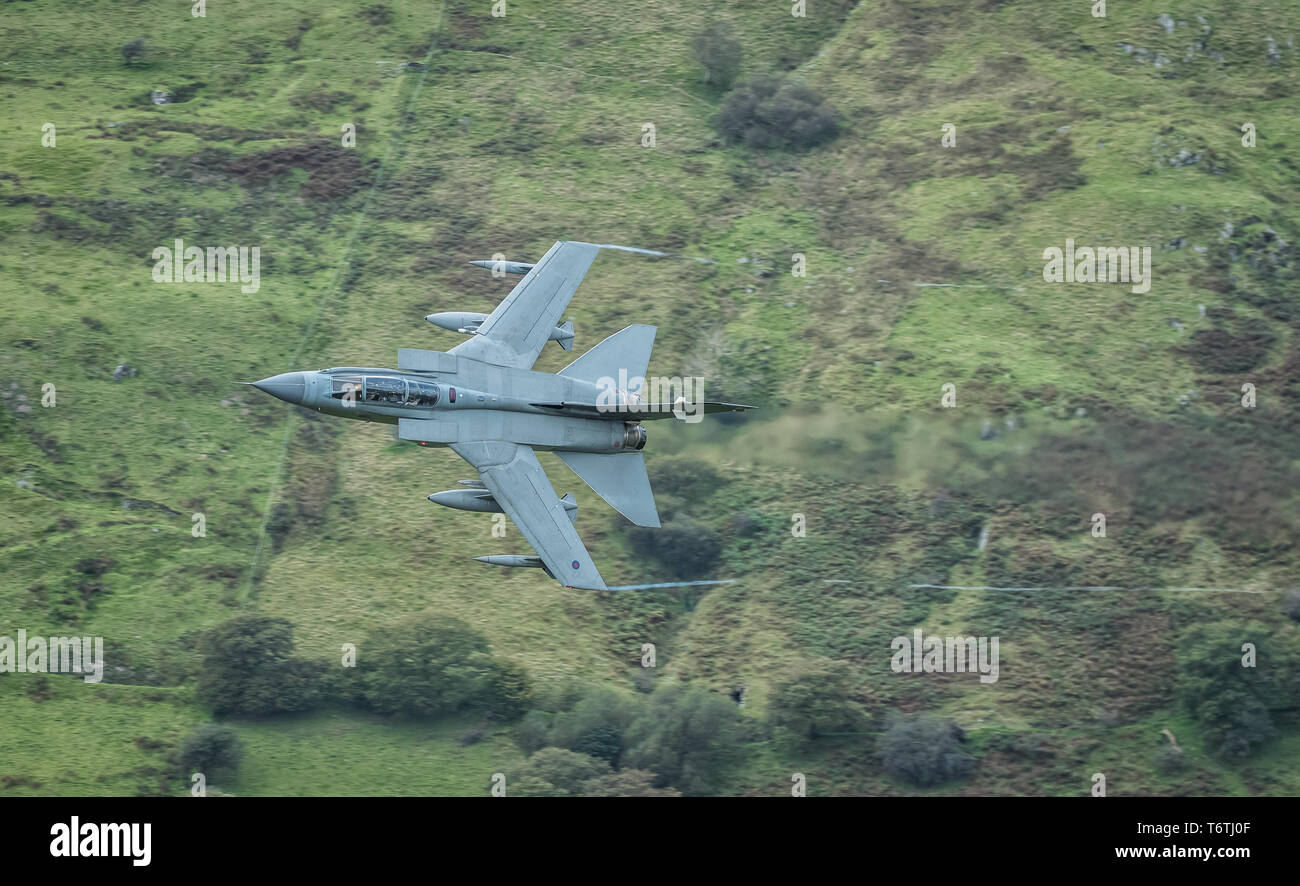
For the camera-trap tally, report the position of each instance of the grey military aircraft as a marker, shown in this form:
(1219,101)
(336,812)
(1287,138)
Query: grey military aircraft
(483,400)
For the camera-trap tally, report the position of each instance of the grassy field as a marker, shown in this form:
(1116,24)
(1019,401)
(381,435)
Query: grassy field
(477,135)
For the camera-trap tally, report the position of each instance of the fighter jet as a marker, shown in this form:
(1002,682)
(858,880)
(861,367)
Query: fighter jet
(483,400)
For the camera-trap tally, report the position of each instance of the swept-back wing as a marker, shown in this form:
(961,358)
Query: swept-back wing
(513,334)
(516,479)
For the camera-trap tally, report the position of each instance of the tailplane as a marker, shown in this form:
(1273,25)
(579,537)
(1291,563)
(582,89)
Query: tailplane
(620,479)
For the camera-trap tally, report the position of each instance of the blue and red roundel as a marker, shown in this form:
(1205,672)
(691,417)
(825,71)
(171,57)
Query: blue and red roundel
(576,564)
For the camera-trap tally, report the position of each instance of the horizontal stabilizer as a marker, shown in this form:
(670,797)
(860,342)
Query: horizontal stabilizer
(619,478)
(683,410)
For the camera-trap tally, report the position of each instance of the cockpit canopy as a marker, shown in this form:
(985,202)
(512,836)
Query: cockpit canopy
(385,390)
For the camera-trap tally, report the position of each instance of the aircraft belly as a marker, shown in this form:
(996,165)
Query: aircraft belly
(487,424)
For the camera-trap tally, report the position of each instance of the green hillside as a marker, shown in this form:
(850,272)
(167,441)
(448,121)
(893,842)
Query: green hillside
(478,135)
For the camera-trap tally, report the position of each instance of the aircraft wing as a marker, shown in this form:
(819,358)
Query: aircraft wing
(513,334)
(516,479)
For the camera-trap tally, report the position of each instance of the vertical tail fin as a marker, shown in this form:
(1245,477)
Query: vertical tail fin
(628,350)
(567,341)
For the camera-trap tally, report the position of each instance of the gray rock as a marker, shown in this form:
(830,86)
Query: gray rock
(124,370)
(160,97)
(1166,22)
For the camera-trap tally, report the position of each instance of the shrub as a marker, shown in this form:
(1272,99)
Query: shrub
(686,735)
(248,668)
(534,732)
(213,750)
(627,783)
(135,52)
(814,699)
(1169,760)
(555,772)
(775,112)
(923,750)
(429,666)
(720,54)
(687,550)
(1228,701)
(1291,605)
(472,735)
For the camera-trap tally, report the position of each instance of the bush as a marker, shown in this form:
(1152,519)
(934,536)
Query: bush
(534,732)
(1169,760)
(775,112)
(1229,702)
(690,478)
(135,52)
(627,783)
(248,668)
(472,735)
(720,54)
(596,725)
(213,750)
(686,550)
(555,772)
(923,750)
(509,691)
(1291,605)
(430,666)
(814,699)
(686,735)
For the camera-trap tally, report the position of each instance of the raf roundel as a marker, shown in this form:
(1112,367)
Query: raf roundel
(575,564)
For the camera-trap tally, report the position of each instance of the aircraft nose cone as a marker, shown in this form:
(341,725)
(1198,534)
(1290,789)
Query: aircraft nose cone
(288,386)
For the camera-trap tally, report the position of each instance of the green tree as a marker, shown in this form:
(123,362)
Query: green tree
(248,668)
(509,690)
(1229,701)
(555,772)
(533,732)
(813,699)
(626,783)
(430,665)
(687,735)
(596,725)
